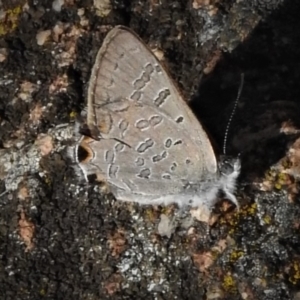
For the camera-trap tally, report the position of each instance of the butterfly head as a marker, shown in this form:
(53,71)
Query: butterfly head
(229,166)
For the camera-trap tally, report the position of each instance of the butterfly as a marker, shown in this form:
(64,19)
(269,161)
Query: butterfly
(143,139)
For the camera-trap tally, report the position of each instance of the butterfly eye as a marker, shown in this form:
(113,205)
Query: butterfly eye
(226,167)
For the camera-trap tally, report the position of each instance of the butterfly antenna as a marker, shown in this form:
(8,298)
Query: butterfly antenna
(233,112)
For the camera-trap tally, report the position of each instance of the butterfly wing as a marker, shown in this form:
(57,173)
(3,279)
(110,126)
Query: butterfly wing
(151,142)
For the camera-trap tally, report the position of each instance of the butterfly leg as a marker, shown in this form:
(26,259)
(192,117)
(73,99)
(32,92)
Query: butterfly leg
(231,197)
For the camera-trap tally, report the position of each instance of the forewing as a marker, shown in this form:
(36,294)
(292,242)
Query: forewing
(150,138)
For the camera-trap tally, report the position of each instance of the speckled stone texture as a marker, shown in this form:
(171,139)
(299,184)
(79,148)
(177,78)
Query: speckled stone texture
(61,238)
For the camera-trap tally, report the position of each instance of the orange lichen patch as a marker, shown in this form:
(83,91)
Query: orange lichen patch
(113,284)
(26,231)
(288,127)
(26,90)
(59,84)
(117,242)
(286,173)
(209,5)
(36,114)
(280,176)
(201,213)
(267,183)
(204,214)
(67,36)
(294,158)
(213,219)
(226,205)
(210,65)
(221,245)
(203,260)
(283,179)
(45,144)
(23,193)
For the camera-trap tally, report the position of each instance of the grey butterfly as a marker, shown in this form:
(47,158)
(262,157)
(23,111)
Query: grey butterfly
(144,141)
